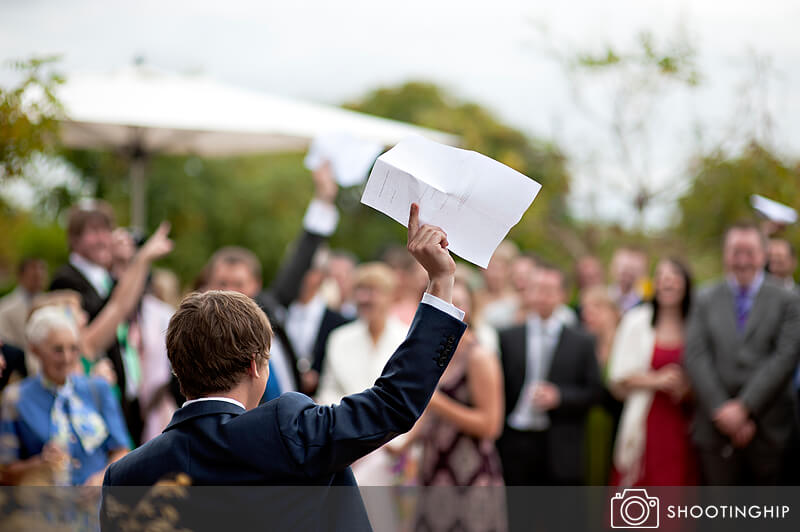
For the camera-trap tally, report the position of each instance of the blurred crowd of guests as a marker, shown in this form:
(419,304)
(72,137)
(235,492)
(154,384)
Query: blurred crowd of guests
(630,378)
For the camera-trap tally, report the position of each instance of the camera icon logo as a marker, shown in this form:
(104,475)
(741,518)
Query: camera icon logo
(634,508)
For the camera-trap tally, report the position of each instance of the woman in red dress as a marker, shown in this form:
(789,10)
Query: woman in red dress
(653,447)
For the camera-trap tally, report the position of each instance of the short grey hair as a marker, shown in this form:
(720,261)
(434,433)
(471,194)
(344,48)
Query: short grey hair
(44,321)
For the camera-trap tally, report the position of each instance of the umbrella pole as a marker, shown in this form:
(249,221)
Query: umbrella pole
(138,192)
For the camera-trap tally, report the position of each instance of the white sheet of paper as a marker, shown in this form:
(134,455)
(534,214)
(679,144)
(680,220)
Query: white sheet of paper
(474,199)
(350,157)
(777,212)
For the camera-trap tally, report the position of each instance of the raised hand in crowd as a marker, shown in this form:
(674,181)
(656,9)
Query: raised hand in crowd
(126,294)
(325,186)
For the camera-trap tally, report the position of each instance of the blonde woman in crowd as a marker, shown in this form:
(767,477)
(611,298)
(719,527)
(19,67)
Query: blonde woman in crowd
(601,316)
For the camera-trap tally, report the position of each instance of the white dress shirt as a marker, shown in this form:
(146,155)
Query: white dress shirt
(97,276)
(302,326)
(541,340)
(224,399)
(321,218)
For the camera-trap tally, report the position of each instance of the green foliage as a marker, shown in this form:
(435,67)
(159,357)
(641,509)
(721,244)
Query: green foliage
(28,115)
(720,195)
(23,234)
(256,202)
(675,59)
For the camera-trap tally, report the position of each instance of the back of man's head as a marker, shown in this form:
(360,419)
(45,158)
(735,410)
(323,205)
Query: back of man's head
(212,339)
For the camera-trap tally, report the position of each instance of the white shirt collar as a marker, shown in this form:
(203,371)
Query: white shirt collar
(552,325)
(312,309)
(754,287)
(225,399)
(96,275)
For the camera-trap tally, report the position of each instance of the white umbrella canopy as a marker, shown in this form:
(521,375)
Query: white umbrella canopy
(146,111)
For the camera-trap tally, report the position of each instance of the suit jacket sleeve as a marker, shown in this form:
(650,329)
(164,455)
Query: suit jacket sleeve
(579,397)
(698,360)
(286,285)
(330,322)
(773,375)
(326,439)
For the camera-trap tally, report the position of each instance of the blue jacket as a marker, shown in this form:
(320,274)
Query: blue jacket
(290,441)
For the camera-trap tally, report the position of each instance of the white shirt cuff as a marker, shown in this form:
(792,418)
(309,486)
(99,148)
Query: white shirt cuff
(321,218)
(442,305)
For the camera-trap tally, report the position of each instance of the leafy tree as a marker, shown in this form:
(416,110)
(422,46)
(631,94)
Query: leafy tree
(720,195)
(28,123)
(620,92)
(28,115)
(256,202)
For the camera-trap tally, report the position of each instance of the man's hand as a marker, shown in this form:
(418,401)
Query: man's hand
(325,186)
(428,244)
(546,396)
(158,244)
(731,417)
(745,435)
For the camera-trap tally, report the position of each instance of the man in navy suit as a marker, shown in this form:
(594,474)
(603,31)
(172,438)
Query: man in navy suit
(218,344)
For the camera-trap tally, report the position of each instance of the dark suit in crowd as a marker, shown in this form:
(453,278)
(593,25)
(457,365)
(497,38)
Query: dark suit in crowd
(754,364)
(554,455)
(284,289)
(290,441)
(15,363)
(330,320)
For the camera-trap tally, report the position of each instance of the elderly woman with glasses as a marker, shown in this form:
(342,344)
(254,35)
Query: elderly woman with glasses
(59,427)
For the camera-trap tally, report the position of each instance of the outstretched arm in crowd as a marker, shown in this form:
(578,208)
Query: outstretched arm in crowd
(319,223)
(102,330)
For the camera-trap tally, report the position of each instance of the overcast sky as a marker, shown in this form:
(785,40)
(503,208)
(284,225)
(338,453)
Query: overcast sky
(490,52)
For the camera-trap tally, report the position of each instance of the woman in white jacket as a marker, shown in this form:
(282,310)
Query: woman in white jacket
(653,446)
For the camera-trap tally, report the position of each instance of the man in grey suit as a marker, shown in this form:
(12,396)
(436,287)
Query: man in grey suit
(742,349)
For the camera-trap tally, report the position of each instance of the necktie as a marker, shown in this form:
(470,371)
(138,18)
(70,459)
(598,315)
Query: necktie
(69,414)
(130,360)
(742,309)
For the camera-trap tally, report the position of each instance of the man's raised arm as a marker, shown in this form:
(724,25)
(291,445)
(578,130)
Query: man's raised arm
(323,439)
